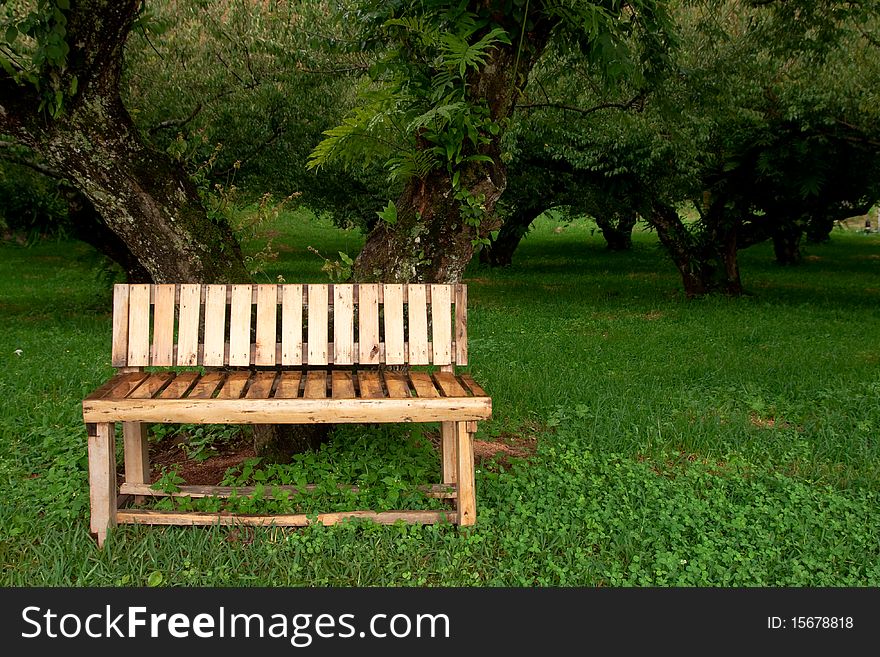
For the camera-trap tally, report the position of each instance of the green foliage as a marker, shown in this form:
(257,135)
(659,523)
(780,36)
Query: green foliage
(30,204)
(677,444)
(34,49)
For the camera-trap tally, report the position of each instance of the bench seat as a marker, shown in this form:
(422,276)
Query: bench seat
(289,396)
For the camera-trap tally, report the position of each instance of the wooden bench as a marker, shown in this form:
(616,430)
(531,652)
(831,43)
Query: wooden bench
(276,354)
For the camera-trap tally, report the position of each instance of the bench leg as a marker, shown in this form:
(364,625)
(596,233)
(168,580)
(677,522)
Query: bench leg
(102,478)
(137,454)
(447,451)
(466,501)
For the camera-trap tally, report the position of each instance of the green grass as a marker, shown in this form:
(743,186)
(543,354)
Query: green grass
(719,442)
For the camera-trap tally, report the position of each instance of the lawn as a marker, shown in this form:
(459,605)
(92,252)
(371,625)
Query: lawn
(720,442)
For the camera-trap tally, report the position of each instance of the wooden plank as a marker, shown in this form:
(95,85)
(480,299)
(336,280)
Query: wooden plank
(475,388)
(280,411)
(316,385)
(450,386)
(288,385)
(188,324)
(267,305)
(124,387)
(438,491)
(342,385)
(397,384)
(119,353)
(441,324)
(417,313)
(138,325)
(318,331)
(423,385)
(368,323)
(261,385)
(291,324)
(234,385)
(370,384)
(163,325)
(466,503)
(448,455)
(105,388)
(102,479)
(151,385)
(461,336)
(129,516)
(240,326)
(205,386)
(394,339)
(177,388)
(215,326)
(137,454)
(343,324)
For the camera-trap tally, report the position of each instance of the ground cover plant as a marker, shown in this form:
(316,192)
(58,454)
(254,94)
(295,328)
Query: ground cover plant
(717,442)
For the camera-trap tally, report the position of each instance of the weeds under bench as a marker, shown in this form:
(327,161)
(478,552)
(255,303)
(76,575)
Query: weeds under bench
(323,358)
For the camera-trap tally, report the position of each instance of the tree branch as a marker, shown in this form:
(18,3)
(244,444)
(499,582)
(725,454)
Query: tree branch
(589,110)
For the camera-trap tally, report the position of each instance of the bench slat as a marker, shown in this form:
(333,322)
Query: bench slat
(342,385)
(343,324)
(394,339)
(215,325)
(233,385)
(153,384)
(288,385)
(418,325)
(178,387)
(163,325)
(205,387)
(188,324)
(473,385)
(138,325)
(461,339)
(447,382)
(441,324)
(267,304)
(423,385)
(291,324)
(240,326)
(316,385)
(370,384)
(123,387)
(260,386)
(119,354)
(368,324)
(282,411)
(317,325)
(397,384)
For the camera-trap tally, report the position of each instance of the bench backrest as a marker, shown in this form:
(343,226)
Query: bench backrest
(289,325)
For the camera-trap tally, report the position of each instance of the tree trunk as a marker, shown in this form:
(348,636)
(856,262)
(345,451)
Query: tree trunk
(433,240)
(88,226)
(499,252)
(787,245)
(708,262)
(617,230)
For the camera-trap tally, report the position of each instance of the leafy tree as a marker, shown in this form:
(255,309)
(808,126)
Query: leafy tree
(440,105)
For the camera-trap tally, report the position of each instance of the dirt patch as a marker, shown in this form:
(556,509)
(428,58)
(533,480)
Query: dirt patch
(208,472)
(768,422)
(500,452)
